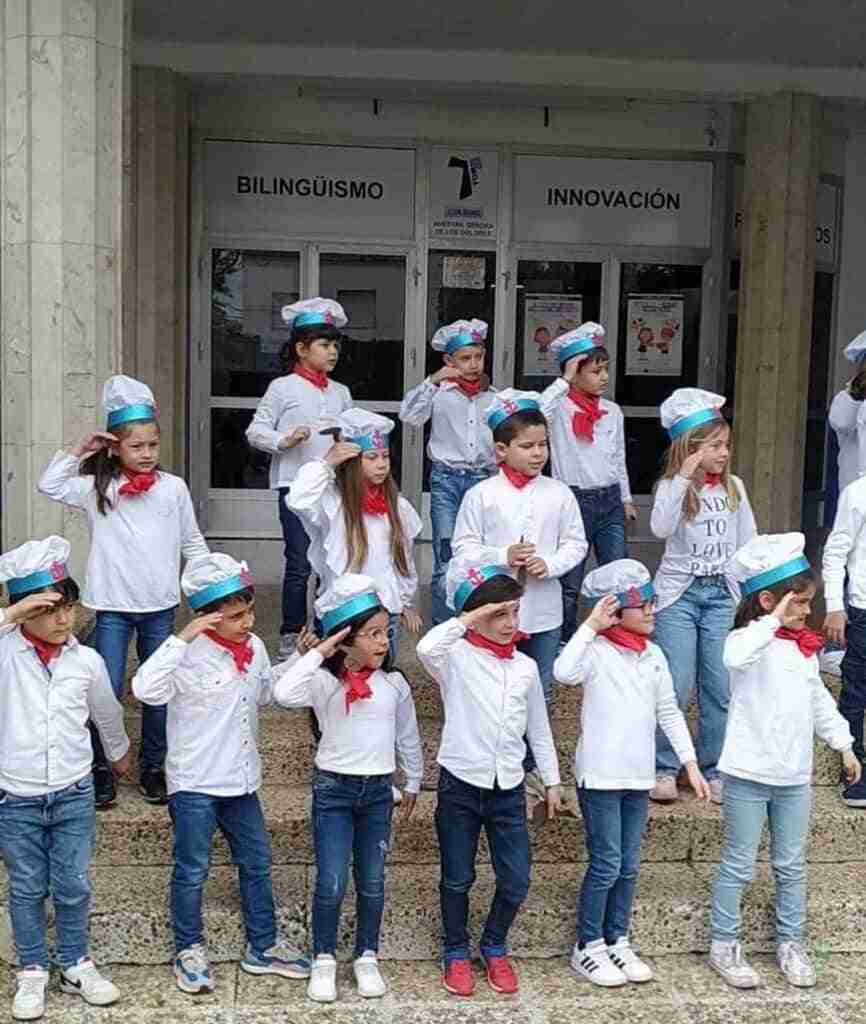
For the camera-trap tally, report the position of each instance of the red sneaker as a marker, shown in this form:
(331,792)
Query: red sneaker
(458,978)
(500,975)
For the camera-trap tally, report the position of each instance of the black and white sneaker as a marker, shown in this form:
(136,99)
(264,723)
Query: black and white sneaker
(152,788)
(594,963)
(104,786)
(624,957)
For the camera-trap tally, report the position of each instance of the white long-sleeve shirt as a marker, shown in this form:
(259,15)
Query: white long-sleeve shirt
(290,402)
(315,498)
(843,418)
(44,740)
(845,549)
(495,514)
(626,695)
(702,546)
(459,435)
(778,703)
(212,721)
(584,464)
(136,547)
(361,741)
(490,704)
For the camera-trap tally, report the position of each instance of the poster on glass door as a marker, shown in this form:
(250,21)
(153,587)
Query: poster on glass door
(654,335)
(545,317)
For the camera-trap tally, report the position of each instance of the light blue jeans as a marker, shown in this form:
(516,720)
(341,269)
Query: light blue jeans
(747,805)
(692,633)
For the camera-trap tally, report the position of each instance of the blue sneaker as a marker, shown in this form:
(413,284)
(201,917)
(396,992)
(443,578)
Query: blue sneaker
(281,959)
(192,970)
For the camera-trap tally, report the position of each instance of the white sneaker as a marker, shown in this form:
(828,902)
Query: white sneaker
(29,1001)
(665,790)
(624,957)
(85,980)
(726,958)
(593,963)
(371,984)
(288,643)
(795,964)
(717,790)
(322,986)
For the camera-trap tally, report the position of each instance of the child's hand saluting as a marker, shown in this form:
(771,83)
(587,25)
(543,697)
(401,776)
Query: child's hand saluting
(200,624)
(790,617)
(342,451)
(329,645)
(604,615)
(691,463)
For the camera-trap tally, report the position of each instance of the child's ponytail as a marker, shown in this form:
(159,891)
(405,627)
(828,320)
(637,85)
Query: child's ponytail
(104,467)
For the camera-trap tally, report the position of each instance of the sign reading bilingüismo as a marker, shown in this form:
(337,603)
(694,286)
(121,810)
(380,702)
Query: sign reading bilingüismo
(285,190)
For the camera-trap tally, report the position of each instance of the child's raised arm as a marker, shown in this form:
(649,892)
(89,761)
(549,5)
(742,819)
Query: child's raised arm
(293,686)
(437,645)
(667,510)
(62,481)
(574,665)
(417,405)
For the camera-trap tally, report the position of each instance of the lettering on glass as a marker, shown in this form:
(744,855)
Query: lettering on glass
(320,187)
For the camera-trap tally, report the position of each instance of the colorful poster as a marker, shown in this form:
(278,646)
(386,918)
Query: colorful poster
(545,317)
(654,335)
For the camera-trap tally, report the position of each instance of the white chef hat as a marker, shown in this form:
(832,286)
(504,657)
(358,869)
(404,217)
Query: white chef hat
(855,351)
(367,429)
(347,597)
(627,579)
(207,578)
(314,313)
(688,408)
(35,565)
(464,576)
(127,400)
(768,559)
(579,342)
(458,335)
(508,402)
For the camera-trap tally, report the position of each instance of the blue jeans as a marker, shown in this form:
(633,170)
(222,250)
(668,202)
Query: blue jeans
(692,633)
(603,517)
(852,699)
(461,812)
(614,821)
(351,823)
(542,648)
(111,636)
(196,817)
(447,489)
(747,805)
(46,842)
(296,575)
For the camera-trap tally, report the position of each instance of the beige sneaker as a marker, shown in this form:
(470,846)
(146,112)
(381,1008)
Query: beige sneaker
(665,790)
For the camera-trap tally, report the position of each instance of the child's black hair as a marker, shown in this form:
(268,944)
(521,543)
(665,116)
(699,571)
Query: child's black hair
(750,607)
(517,422)
(247,595)
(305,336)
(334,664)
(494,591)
(68,590)
(598,355)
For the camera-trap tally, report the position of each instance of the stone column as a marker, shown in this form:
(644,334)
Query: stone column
(775,312)
(64,84)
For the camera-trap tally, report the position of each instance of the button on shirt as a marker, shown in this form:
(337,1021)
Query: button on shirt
(843,417)
(845,550)
(585,464)
(45,744)
(702,546)
(490,704)
(362,741)
(290,402)
(626,695)
(459,435)
(495,514)
(213,714)
(135,548)
(778,704)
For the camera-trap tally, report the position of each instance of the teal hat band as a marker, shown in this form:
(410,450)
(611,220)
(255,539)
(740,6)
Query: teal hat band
(335,618)
(475,578)
(462,340)
(375,442)
(773,576)
(509,408)
(130,413)
(37,580)
(576,348)
(312,320)
(695,419)
(636,597)
(217,590)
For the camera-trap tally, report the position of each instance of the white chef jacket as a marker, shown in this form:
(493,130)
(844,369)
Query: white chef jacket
(845,550)
(843,417)
(459,435)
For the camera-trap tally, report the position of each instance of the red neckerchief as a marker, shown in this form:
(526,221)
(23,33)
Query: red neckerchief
(515,477)
(356,685)
(623,637)
(712,479)
(240,650)
(500,650)
(588,414)
(807,640)
(46,651)
(470,388)
(317,378)
(373,501)
(137,483)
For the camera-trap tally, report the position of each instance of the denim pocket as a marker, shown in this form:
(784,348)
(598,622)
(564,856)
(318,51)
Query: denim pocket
(324,780)
(3,795)
(83,785)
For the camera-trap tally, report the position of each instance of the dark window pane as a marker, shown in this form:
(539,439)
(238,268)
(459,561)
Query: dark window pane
(645,446)
(819,371)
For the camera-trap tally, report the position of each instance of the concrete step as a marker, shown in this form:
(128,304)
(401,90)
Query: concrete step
(129,917)
(134,832)
(685,991)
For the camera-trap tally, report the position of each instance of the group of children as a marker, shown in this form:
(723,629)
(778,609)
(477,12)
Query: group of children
(727,610)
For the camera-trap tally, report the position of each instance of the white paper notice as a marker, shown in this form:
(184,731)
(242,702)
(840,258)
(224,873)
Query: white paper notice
(654,336)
